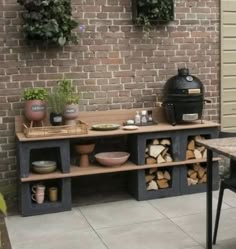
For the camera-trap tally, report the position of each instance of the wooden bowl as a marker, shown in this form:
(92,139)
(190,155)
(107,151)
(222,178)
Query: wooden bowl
(112,159)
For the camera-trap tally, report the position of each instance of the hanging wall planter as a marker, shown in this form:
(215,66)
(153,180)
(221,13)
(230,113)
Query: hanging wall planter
(48,21)
(148,12)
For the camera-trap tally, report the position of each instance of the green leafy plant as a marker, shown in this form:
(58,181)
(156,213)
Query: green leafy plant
(38,93)
(49,21)
(149,11)
(68,90)
(3,206)
(56,101)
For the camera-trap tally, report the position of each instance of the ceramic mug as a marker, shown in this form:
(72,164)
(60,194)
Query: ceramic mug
(53,194)
(38,189)
(38,198)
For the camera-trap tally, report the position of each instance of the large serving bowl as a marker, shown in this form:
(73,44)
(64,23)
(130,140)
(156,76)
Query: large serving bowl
(44,167)
(112,159)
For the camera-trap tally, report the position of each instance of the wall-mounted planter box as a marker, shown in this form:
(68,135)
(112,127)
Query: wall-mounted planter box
(143,8)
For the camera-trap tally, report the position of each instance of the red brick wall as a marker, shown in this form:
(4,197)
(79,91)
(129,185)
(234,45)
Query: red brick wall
(114,66)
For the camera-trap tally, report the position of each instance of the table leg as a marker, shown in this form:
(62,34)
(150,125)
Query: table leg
(209,201)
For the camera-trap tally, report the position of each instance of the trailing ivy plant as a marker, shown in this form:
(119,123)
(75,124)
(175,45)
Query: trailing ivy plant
(48,21)
(149,11)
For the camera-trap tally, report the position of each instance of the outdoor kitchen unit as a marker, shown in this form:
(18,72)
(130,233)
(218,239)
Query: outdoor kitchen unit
(183,98)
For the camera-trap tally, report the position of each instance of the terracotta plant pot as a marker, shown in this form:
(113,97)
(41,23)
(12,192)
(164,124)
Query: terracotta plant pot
(84,150)
(71,113)
(35,110)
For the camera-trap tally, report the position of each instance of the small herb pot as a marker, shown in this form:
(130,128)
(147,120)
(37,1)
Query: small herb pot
(56,119)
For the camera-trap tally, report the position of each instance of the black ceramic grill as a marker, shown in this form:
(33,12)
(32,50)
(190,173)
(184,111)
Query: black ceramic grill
(183,98)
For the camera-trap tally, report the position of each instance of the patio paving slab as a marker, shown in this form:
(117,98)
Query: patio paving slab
(119,213)
(194,225)
(161,234)
(186,205)
(40,226)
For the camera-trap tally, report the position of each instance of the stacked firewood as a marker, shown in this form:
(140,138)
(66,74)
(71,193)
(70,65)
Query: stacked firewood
(196,174)
(157,179)
(158,151)
(195,151)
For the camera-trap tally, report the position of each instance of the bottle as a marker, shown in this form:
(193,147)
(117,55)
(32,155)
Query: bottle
(137,118)
(149,115)
(144,118)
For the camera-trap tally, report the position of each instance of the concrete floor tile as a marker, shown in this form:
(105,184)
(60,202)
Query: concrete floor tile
(183,205)
(225,244)
(68,240)
(229,197)
(119,213)
(37,227)
(195,225)
(161,234)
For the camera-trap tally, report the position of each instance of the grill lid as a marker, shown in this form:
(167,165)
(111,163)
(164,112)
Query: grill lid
(183,84)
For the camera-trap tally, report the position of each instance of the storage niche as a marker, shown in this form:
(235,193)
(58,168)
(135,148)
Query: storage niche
(141,189)
(31,207)
(193,178)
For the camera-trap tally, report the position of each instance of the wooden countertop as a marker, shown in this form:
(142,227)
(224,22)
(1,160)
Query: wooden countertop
(161,127)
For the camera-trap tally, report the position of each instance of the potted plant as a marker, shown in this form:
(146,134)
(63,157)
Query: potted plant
(71,98)
(35,104)
(48,21)
(56,102)
(146,12)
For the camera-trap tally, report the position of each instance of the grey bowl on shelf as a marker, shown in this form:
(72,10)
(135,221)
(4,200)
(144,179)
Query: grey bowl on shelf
(112,159)
(44,167)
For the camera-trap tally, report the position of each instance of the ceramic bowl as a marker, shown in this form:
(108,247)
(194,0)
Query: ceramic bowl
(44,167)
(112,159)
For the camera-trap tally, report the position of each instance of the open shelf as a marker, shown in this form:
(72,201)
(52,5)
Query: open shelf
(97,169)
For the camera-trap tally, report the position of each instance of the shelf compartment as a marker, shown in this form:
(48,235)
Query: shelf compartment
(28,207)
(199,187)
(137,186)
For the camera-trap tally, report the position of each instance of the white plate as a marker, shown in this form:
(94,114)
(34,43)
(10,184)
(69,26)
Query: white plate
(130,127)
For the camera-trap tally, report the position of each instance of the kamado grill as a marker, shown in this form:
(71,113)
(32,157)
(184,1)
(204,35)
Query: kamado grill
(183,98)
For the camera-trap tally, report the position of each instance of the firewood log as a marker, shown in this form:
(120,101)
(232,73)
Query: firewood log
(204,153)
(163,183)
(199,138)
(151,160)
(196,166)
(160,175)
(190,172)
(203,179)
(168,158)
(201,171)
(152,185)
(167,175)
(160,159)
(197,154)
(155,150)
(155,141)
(163,153)
(189,181)
(153,170)
(191,145)
(193,181)
(148,178)
(201,148)
(193,175)
(189,154)
(165,141)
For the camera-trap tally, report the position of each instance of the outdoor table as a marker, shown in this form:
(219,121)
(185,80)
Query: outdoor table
(226,147)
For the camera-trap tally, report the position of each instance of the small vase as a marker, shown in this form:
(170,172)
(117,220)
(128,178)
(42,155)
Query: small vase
(56,119)
(71,113)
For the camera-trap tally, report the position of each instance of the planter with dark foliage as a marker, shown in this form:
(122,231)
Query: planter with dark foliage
(147,12)
(48,21)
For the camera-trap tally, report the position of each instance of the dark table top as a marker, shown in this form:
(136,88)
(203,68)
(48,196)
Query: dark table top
(224,146)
